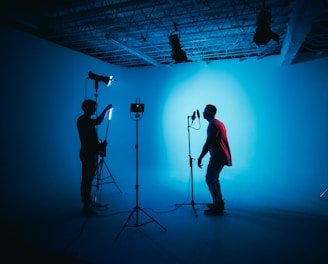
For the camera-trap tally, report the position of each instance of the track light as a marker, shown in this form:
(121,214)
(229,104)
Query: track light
(99,78)
(263,32)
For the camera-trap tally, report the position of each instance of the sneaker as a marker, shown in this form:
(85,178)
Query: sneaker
(210,205)
(222,205)
(213,211)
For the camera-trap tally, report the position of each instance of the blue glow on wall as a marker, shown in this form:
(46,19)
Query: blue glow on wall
(207,87)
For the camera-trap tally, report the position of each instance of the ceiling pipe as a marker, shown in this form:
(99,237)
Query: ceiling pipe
(134,52)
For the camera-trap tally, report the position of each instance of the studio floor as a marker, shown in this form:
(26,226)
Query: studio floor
(152,232)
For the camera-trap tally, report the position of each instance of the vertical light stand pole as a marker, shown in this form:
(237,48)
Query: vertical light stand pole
(99,171)
(137,108)
(100,179)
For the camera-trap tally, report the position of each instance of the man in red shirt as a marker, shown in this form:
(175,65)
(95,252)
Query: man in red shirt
(218,146)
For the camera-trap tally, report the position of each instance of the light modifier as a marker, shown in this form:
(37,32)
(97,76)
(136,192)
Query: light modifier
(99,78)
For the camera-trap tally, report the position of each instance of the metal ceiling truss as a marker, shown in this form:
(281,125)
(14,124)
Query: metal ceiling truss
(135,33)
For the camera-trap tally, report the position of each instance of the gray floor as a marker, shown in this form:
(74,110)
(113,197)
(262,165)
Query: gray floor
(56,232)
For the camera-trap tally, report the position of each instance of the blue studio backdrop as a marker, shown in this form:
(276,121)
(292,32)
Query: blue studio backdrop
(275,115)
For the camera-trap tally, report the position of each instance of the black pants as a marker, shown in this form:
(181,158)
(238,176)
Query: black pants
(89,167)
(212,179)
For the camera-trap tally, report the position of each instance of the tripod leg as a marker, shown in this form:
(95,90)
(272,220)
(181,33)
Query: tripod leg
(153,219)
(192,203)
(125,224)
(97,176)
(136,210)
(193,207)
(111,175)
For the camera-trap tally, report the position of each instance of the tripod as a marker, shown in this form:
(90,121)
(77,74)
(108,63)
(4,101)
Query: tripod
(192,203)
(100,180)
(137,208)
(102,153)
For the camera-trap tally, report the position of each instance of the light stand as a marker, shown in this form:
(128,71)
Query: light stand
(192,203)
(137,109)
(100,179)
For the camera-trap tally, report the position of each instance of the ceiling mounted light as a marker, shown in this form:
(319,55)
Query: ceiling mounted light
(177,53)
(263,32)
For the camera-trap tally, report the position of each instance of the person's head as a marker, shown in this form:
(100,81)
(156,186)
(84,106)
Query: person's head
(89,107)
(209,112)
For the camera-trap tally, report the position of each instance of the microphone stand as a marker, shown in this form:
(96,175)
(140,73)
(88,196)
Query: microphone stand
(192,203)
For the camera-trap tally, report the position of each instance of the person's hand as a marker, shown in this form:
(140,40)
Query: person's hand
(109,106)
(199,163)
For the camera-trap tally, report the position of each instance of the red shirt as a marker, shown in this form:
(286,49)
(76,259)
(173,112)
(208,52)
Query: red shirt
(218,142)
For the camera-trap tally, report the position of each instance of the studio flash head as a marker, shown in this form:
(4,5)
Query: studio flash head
(99,78)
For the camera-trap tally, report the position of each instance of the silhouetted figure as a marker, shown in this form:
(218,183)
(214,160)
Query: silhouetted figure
(90,149)
(218,146)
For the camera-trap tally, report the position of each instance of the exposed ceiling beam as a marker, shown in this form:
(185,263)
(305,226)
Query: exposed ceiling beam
(134,52)
(303,15)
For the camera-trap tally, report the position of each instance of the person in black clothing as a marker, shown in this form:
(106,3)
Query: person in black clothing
(90,149)
(218,146)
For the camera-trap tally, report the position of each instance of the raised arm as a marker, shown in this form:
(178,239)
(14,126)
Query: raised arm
(101,117)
